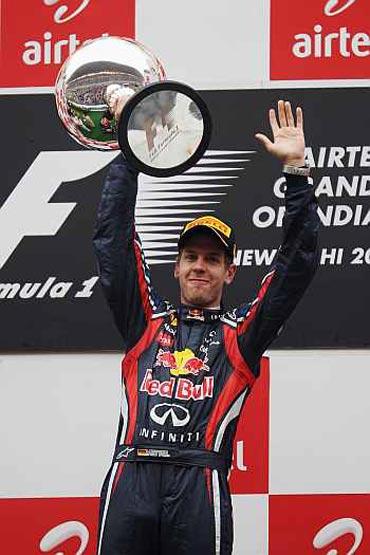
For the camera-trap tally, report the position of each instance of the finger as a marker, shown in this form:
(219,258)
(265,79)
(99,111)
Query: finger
(265,141)
(282,115)
(273,122)
(289,114)
(299,114)
(111,101)
(119,105)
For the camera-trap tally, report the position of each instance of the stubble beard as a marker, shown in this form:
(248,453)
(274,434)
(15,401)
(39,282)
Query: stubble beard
(200,300)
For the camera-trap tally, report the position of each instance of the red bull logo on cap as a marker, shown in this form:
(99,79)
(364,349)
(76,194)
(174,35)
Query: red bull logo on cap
(181,363)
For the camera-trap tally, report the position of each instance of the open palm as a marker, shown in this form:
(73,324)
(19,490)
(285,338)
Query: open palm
(288,142)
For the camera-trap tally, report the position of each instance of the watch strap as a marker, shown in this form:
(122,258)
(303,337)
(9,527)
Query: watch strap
(295,170)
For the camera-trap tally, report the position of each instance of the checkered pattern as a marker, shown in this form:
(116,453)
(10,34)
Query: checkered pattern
(300,470)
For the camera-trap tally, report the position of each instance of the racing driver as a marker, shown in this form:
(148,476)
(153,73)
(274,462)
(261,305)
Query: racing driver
(187,371)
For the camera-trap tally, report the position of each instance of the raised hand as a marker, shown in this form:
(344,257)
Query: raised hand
(288,142)
(116,97)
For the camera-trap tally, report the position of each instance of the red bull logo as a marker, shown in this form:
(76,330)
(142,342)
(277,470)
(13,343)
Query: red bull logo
(196,314)
(181,363)
(183,388)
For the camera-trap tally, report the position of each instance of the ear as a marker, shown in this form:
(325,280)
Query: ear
(230,274)
(176,270)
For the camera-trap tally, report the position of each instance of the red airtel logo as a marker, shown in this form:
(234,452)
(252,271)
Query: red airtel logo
(39,36)
(63,14)
(55,537)
(336,529)
(329,524)
(326,45)
(332,40)
(335,7)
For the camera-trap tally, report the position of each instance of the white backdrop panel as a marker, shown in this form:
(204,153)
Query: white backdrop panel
(59,415)
(208,44)
(319,422)
(250,524)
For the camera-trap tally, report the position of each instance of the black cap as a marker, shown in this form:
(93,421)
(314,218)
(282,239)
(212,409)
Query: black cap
(223,232)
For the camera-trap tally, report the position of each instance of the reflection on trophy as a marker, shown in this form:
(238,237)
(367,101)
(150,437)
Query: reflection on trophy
(164,127)
(91,75)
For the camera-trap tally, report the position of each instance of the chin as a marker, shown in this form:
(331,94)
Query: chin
(199,301)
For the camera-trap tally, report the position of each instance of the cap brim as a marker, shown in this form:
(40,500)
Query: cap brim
(203,228)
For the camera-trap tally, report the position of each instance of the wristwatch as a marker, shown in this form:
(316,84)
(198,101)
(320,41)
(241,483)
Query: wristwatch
(303,171)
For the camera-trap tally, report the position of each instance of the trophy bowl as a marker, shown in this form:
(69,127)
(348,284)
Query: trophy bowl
(112,93)
(90,75)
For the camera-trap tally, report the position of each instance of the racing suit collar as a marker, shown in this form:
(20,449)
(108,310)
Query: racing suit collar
(192,313)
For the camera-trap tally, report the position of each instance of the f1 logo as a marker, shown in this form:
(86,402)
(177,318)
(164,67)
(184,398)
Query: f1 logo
(28,212)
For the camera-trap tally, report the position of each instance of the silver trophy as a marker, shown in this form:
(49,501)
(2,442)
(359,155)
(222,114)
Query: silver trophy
(164,127)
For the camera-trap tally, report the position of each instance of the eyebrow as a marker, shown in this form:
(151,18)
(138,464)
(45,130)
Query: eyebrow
(212,253)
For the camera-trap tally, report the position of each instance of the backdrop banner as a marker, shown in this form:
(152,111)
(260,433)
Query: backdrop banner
(50,297)
(41,34)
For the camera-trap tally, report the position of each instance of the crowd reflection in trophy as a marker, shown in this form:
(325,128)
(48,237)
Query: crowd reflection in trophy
(112,93)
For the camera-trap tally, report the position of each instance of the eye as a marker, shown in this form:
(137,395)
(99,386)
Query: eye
(190,256)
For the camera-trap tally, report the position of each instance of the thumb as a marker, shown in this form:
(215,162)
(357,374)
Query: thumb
(265,141)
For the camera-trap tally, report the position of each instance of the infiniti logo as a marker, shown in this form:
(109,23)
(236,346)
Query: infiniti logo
(62,10)
(177,414)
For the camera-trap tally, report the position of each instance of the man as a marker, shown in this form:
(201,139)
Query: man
(188,370)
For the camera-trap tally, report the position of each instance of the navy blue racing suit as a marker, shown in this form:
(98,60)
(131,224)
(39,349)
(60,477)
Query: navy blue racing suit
(185,377)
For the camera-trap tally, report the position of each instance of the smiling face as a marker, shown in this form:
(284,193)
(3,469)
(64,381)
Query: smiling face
(202,269)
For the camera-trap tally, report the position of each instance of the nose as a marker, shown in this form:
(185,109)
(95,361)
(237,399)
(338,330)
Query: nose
(199,264)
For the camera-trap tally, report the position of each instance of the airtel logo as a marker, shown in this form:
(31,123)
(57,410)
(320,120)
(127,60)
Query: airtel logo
(63,532)
(335,530)
(63,10)
(342,43)
(332,4)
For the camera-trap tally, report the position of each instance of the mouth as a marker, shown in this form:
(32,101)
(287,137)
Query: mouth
(198,280)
